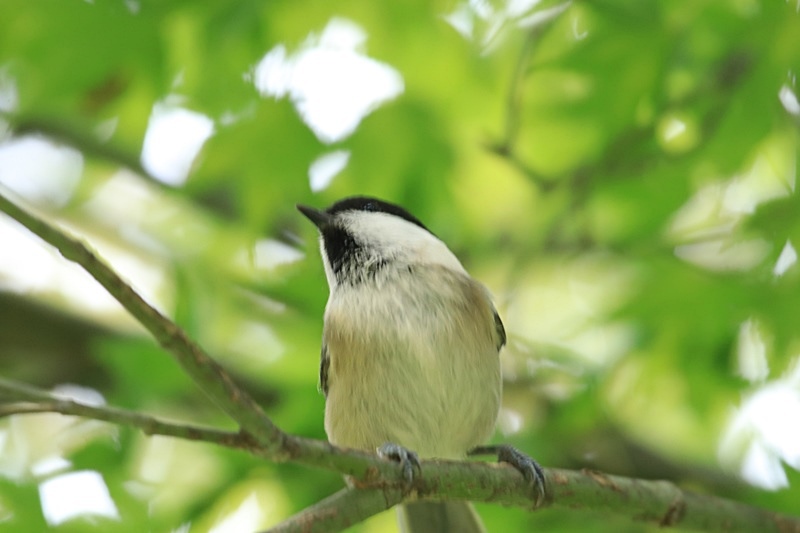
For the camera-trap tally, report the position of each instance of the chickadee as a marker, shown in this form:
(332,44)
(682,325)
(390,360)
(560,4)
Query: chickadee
(410,351)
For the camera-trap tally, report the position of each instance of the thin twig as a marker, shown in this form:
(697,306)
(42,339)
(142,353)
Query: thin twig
(39,401)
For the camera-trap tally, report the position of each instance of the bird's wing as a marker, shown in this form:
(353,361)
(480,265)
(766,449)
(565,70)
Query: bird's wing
(324,364)
(501,330)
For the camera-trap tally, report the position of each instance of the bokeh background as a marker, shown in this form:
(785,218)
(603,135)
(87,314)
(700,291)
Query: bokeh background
(621,174)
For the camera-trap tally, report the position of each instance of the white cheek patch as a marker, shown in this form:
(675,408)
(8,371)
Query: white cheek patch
(393,236)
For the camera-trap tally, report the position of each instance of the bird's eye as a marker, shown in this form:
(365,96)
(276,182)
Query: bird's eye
(370,206)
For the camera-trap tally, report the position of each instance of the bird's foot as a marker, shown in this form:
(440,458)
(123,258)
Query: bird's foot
(409,461)
(530,469)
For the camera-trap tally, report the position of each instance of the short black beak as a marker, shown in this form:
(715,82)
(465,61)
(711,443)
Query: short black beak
(321,219)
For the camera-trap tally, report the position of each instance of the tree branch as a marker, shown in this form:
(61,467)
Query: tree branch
(25,399)
(377,482)
(659,503)
(341,510)
(211,377)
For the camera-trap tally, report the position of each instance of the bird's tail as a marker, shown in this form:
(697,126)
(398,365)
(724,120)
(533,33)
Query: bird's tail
(439,517)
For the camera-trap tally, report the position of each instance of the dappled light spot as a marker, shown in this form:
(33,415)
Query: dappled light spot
(9,95)
(752,352)
(760,434)
(37,268)
(252,505)
(561,309)
(79,394)
(172,474)
(255,345)
(172,141)
(510,422)
(75,495)
(38,444)
(325,168)
(270,253)
(789,100)
(705,228)
(331,82)
(488,26)
(786,260)
(50,465)
(39,170)
(678,133)
(247,517)
(721,256)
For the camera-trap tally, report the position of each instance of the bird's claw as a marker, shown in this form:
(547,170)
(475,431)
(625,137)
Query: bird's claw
(409,461)
(530,469)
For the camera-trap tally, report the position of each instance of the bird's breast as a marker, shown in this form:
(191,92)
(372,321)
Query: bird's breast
(412,363)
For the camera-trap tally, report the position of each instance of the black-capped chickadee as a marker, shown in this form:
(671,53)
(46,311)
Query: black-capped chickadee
(410,352)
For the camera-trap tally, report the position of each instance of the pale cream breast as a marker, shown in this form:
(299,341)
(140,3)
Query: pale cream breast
(412,364)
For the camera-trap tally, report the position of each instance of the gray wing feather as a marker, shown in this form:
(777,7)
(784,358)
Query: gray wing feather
(501,330)
(324,364)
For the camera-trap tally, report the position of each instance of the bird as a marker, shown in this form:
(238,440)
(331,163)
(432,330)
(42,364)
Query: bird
(410,363)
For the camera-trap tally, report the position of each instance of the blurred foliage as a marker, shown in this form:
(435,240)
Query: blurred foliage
(621,174)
